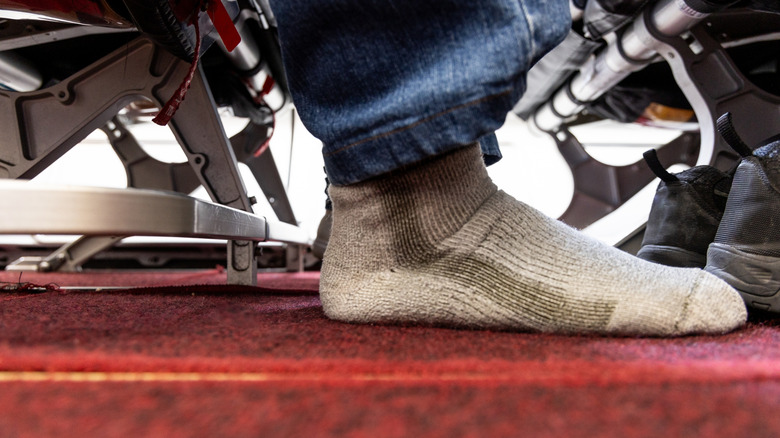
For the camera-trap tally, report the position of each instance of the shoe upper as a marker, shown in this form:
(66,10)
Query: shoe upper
(686,211)
(751,222)
(768,155)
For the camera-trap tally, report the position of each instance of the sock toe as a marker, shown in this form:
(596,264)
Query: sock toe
(713,307)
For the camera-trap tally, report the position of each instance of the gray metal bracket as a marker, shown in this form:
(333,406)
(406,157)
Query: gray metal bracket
(713,86)
(600,188)
(40,126)
(144,171)
(246,145)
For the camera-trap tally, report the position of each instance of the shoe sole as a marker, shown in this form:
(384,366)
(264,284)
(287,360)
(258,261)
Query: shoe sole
(755,277)
(672,256)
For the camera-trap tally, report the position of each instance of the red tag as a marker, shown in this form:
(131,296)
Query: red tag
(268,85)
(224,25)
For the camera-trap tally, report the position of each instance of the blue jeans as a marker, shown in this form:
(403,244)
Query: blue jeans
(388,83)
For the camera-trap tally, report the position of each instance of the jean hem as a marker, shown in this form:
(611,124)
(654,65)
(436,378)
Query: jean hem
(431,136)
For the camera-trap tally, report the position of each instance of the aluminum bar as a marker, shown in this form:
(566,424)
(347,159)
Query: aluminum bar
(32,208)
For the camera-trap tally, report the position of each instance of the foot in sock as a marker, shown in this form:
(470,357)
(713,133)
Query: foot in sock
(438,244)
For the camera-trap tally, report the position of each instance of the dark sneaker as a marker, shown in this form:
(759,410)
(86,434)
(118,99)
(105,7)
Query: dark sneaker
(323,230)
(685,215)
(323,235)
(746,249)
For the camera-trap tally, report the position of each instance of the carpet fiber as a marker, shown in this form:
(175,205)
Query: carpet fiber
(204,359)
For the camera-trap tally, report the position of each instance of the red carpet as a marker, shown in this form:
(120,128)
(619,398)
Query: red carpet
(213,360)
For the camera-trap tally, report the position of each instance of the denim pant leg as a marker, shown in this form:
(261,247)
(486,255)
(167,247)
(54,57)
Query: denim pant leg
(388,83)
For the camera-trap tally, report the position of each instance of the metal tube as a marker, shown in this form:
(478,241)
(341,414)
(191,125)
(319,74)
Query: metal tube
(102,211)
(673,17)
(246,56)
(630,51)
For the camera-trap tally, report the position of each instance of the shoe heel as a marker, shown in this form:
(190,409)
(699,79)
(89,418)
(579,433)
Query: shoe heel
(755,277)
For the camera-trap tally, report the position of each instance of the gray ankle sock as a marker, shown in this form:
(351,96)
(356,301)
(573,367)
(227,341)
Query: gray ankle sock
(439,244)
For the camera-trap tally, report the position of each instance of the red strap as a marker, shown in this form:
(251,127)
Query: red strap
(224,24)
(230,37)
(169,109)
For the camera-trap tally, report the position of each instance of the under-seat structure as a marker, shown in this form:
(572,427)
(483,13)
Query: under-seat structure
(41,121)
(720,56)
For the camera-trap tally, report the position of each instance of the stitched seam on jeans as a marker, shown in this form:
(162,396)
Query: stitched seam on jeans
(419,122)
